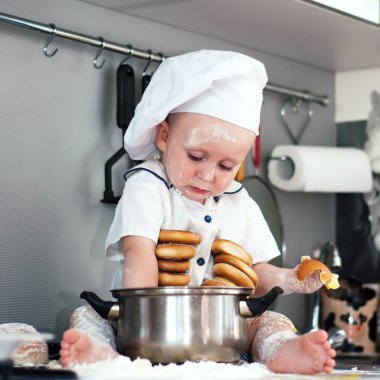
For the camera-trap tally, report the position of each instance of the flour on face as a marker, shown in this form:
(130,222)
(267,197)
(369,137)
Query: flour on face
(212,133)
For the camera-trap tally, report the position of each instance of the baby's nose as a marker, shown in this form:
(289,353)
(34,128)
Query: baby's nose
(207,174)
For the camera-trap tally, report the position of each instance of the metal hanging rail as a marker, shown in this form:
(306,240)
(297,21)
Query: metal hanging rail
(78,37)
(101,43)
(323,100)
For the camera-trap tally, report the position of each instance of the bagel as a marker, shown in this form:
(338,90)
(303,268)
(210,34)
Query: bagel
(33,351)
(227,246)
(232,260)
(176,266)
(177,236)
(309,266)
(173,279)
(175,251)
(212,282)
(233,274)
(225,282)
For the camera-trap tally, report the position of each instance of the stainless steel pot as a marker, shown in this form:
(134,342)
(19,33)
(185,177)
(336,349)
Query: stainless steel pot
(175,324)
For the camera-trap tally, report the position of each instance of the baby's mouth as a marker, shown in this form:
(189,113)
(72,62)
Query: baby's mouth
(198,190)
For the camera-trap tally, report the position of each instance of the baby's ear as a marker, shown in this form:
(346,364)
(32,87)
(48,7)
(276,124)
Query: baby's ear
(162,134)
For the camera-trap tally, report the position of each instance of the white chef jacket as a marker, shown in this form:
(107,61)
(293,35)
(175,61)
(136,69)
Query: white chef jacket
(150,203)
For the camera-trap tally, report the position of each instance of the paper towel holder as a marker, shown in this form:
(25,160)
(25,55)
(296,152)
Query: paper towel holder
(289,167)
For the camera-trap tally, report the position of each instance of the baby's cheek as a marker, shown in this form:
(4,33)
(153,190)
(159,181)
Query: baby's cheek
(223,183)
(177,173)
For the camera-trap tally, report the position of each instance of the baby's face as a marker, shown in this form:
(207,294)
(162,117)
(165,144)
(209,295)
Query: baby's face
(202,154)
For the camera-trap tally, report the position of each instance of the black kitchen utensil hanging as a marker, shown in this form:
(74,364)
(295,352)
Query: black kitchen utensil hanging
(125,110)
(145,79)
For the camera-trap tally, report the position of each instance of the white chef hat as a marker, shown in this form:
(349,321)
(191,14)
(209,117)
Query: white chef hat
(223,84)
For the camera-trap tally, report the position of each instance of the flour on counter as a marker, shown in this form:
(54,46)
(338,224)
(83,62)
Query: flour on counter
(122,368)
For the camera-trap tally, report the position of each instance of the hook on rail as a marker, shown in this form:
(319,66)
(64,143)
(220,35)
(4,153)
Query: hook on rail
(148,64)
(162,59)
(296,105)
(130,54)
(49,40)
(94,62)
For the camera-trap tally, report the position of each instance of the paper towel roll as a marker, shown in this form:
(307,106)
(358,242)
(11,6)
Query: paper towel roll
(320,169)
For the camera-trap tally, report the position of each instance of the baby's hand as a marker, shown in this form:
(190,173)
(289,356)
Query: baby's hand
(309,266)
(310,284)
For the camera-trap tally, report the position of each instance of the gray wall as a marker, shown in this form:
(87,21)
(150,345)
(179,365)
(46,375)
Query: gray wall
(58,129)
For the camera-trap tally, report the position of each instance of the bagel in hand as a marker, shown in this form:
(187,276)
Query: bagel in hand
(220,246)
(309,266)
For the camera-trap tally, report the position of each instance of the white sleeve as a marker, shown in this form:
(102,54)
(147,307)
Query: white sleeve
(140,212)
(258,237)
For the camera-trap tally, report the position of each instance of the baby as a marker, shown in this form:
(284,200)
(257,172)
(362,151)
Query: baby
(194,126)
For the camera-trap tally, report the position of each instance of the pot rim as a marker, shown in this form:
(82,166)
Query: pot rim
(182,291)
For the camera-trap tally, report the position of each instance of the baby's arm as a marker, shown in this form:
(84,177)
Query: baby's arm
(270,276)
(140,263)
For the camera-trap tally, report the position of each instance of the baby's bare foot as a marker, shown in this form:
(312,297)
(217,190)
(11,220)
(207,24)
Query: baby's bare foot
(77,347)
(310,353)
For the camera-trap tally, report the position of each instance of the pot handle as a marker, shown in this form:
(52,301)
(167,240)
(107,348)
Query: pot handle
(106,309)
(253,307)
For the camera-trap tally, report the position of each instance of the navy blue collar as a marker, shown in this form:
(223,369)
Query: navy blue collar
(168,184)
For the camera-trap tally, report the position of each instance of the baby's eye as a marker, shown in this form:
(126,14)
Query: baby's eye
(194,158)
(224,167)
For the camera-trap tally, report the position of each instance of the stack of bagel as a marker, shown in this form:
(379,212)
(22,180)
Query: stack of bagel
(232,266)
(174,250)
